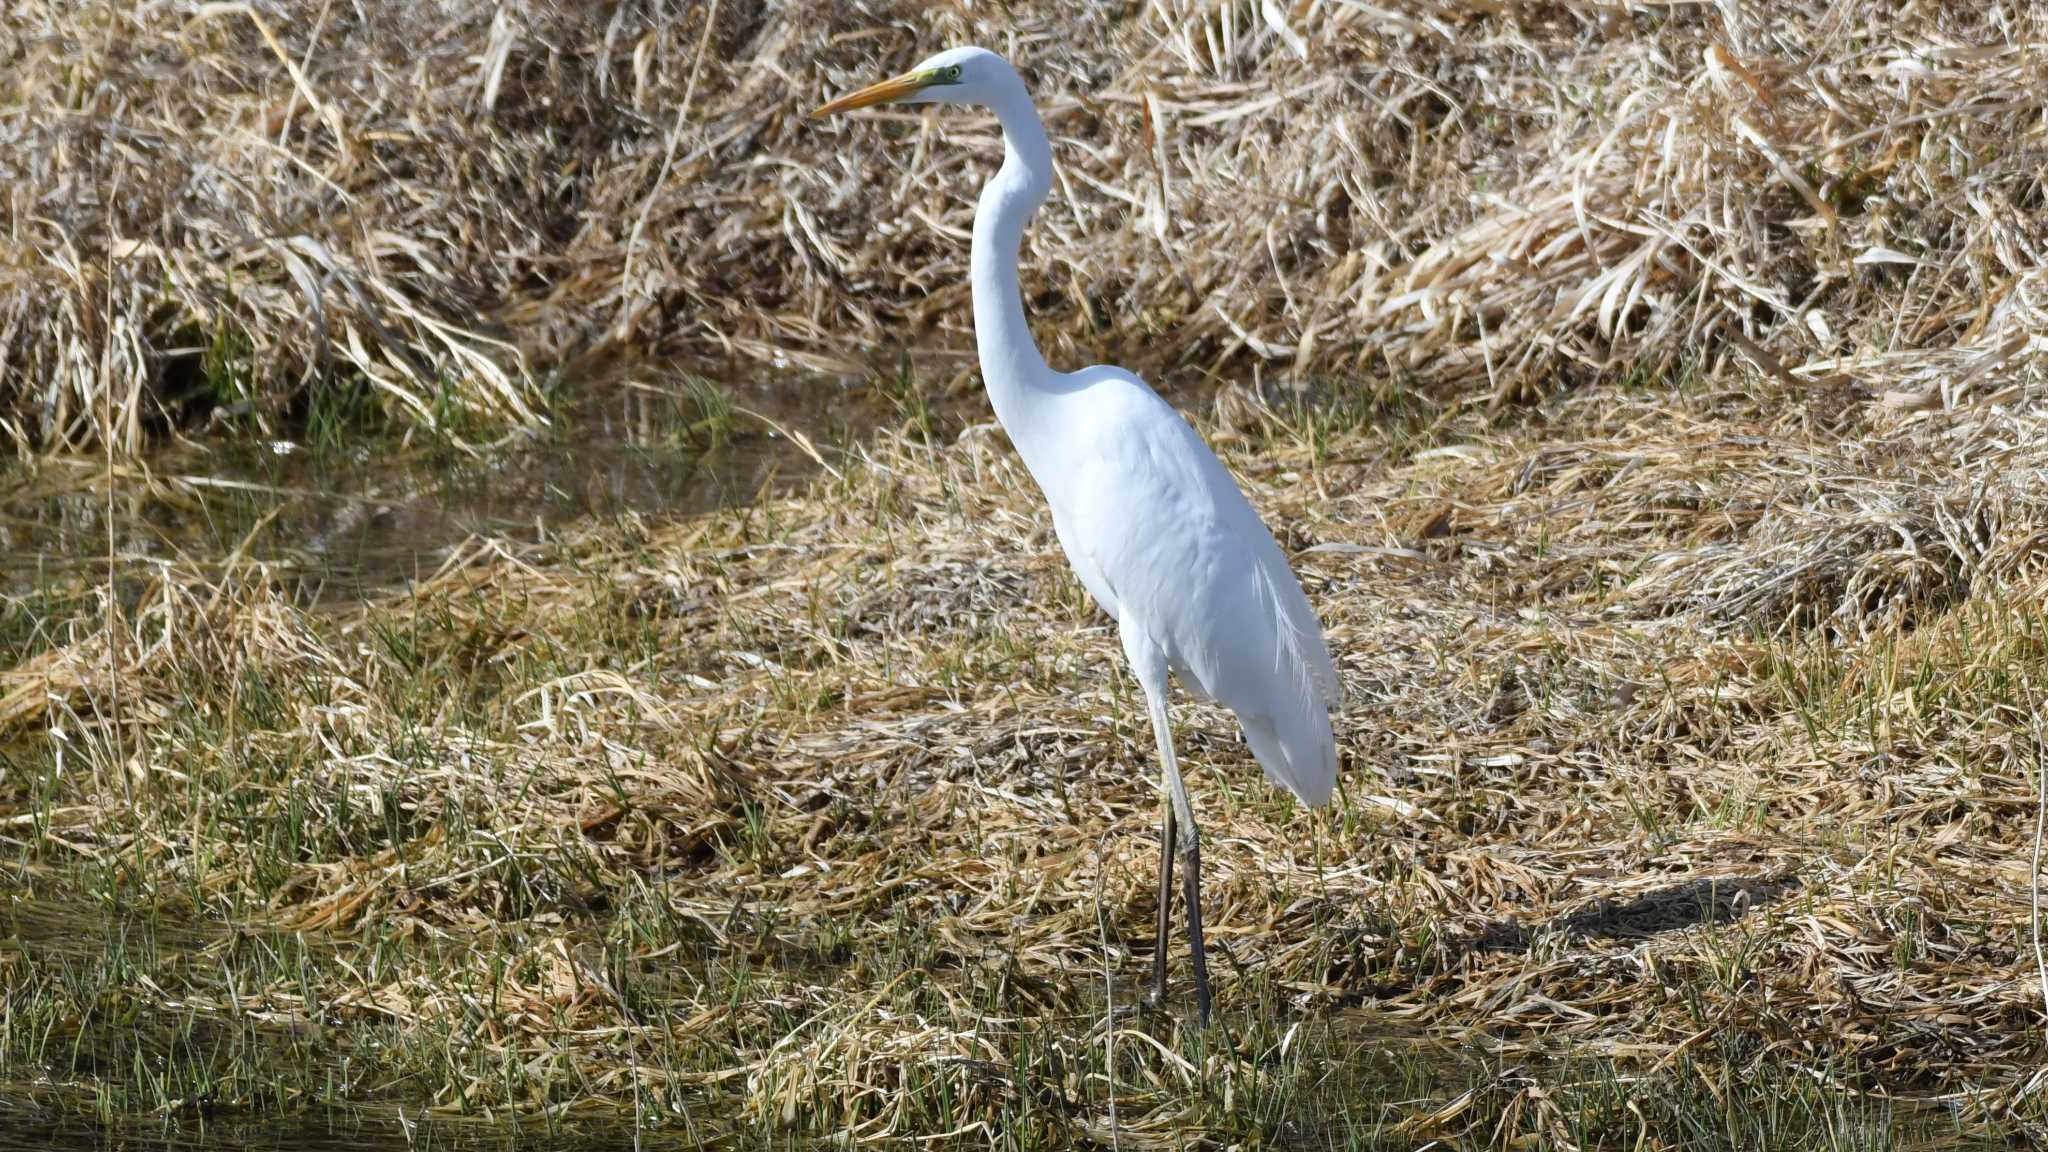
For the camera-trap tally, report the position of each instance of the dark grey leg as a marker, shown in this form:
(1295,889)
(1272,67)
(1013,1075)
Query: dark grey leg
(1166,855)
(1194,899)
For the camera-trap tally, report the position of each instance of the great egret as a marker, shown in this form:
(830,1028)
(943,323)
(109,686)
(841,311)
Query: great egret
(1151,521)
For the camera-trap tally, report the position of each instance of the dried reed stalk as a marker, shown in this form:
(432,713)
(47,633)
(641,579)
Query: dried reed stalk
(1465,196)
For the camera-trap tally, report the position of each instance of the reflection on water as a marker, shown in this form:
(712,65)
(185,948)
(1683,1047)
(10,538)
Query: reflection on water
(335,524)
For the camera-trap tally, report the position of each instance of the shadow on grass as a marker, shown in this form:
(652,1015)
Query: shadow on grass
(1668,909)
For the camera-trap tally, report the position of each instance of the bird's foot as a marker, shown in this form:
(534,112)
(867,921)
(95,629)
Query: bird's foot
(1156,1004)
(1130,1011)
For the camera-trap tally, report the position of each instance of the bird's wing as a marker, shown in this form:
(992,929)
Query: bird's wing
(1151,510)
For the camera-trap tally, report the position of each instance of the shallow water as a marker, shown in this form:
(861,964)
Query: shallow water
(335,524)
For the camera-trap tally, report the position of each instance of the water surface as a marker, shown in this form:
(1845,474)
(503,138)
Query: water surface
(336,523)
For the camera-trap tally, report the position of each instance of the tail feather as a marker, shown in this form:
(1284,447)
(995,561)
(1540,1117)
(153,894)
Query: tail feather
(1289,730)
(1297,752)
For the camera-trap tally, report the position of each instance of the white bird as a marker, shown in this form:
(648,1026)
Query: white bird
(1153,524)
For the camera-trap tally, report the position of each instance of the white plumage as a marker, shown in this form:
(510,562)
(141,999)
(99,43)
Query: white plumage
(1166,543)
(1152,522)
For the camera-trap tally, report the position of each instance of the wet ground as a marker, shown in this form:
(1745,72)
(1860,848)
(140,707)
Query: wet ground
(337,523)
(334,525)
(332,1133)
(144,946)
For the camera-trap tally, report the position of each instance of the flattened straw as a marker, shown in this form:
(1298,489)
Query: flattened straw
(1960,108)
(328,114)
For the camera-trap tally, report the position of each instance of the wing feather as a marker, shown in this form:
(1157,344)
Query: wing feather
(1151,511)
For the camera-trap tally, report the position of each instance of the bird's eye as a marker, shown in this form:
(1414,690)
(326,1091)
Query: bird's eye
(953,73)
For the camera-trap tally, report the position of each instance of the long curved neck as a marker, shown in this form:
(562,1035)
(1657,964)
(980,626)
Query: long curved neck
(1011,366)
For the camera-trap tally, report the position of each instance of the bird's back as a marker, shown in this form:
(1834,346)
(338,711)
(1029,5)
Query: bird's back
(1160,534)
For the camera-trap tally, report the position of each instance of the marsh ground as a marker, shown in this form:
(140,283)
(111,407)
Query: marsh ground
(1650,396)
(1688,801)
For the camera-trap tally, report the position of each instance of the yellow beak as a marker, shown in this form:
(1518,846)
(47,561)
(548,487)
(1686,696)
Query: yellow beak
(882,93)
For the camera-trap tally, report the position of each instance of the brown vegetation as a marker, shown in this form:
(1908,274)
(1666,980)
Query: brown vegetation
(1691,762)
(210,200)
(1672,488)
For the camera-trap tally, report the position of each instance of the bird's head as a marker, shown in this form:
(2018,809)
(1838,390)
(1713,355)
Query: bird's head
(955,76)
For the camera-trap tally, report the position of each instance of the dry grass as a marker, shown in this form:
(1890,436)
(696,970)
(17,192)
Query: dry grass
(1670,480)
(213,205)
(1689,791)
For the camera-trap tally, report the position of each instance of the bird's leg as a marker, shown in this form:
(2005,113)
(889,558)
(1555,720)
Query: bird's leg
(1181,819)
(1150,665)
(1165,905)
(1193,881)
